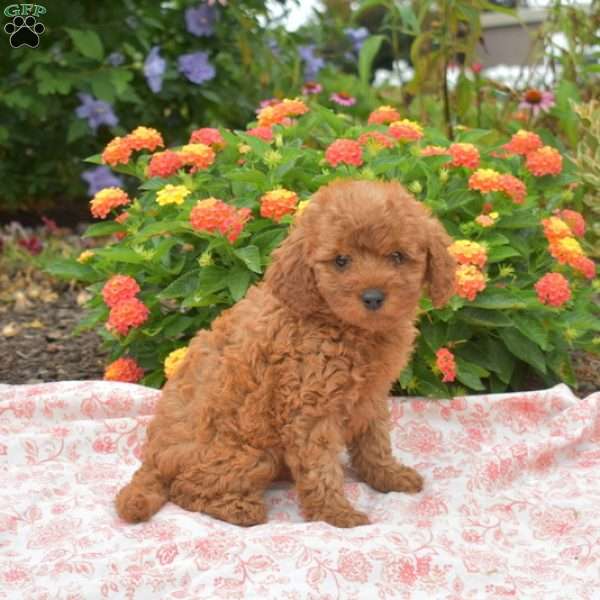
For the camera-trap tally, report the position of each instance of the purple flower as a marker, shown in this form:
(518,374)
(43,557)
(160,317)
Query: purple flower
(99,178)
(312,63)
(196,67)
(97,112)
(273,46)
(154,69)
(357,37)
(115,59)
(200,21)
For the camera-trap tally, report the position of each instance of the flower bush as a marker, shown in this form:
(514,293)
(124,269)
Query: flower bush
(202,226)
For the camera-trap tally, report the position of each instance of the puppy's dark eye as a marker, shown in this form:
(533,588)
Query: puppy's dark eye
(341,262)
(397,257)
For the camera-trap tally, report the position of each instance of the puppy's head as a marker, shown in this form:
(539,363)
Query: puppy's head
(362,252)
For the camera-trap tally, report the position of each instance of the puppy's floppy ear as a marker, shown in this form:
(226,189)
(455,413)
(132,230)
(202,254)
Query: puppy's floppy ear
(439,274)
(290,278)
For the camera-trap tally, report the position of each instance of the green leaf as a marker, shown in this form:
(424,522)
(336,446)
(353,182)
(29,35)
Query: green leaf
(258,146)
(472,352)
(95,159)
(367,56)
(87,42)
(268,240)
(248,176)
(154,379)
(238,282)
(406,375)
(503,361)
(211,279)
(470,374)
(177,325)
(464,96)
(567,93)
(429,384)
(433,334)
(559,362)
(71,269)
(523,348)
(409,19)
(250,255)
(120,79)
(77,129)
(497,300)
(156,183)
(532,328)
(500,253)
(484,318)
(91,319)
(493,7)
(520,220)
(118,254)
(183,286)
(53,83)
(100,229)
(159,228)
(102,87)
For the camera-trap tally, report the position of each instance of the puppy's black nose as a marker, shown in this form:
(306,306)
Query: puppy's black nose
(373,298)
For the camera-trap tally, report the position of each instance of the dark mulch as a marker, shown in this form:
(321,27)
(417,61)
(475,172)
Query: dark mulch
(37,343)
(37,317)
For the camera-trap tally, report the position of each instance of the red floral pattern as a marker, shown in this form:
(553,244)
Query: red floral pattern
(510,508)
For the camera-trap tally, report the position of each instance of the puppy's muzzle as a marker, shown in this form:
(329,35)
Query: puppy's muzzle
(373,298)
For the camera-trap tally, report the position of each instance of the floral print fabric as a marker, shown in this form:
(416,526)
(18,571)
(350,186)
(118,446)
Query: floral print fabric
(510,508)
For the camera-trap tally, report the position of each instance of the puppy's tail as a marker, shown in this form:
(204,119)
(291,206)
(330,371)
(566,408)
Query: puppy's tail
(143,496)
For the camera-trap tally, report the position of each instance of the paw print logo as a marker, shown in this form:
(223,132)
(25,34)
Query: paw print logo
(24,32)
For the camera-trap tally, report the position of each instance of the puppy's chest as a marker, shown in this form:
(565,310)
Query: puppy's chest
(346,370)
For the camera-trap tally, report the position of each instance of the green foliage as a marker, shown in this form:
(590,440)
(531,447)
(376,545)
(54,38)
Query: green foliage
(79,54)
(189,275)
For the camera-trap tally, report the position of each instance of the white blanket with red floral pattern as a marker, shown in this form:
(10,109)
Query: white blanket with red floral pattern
(510,509)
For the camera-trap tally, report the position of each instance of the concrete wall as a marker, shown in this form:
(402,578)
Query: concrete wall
(508,41)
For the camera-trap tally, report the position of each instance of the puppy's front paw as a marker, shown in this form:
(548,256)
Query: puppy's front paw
(397,478)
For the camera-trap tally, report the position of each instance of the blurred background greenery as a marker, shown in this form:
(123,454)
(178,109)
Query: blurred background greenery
(103,68)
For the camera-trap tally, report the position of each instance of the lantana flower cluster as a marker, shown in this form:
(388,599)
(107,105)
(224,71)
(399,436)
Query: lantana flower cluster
(446,363)
(119,150)
(471,258)
(212,210)
(126,310)
(540,160)
(213,215)
(561,231)
(486,180)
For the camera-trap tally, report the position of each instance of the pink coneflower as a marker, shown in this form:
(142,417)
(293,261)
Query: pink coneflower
(268,102)
(537,100)
(311,87)
(342,98)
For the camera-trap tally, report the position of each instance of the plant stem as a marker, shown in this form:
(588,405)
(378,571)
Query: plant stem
(445,94)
